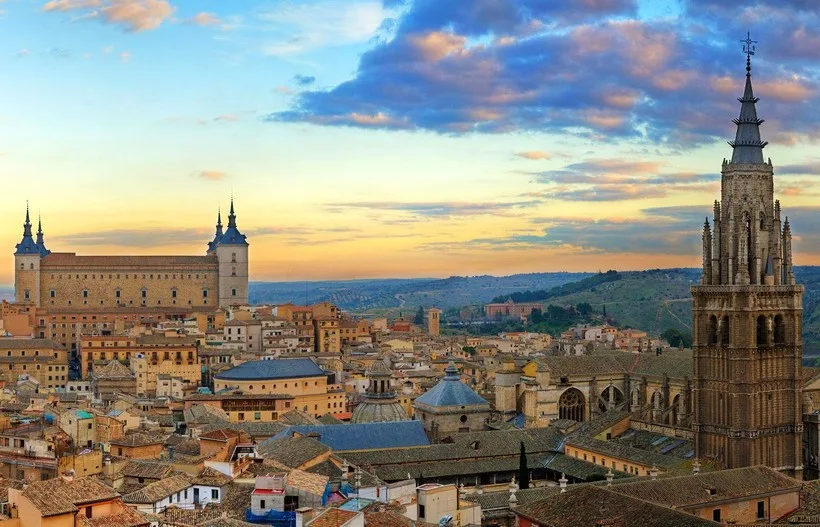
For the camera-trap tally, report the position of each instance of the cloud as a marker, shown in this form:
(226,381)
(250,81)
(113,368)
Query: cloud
(227,118)
(439,209)
(205,19)
(131,15)
(811,168)
(304,80)
(503,66)
(614,179)
(125,57)
(23,53)
(135,237)
(308,26)
(534,155)
(212,175)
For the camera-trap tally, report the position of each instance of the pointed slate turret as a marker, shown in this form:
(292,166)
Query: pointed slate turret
(232,235)
(27,245)
(41,244)
(747,146)
(212,245)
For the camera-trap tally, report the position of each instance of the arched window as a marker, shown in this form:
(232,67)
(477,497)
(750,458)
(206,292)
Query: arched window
(725,331)
(779,330)
(610,399)
(712,331)
(571,405)
(673,413)
(762,334)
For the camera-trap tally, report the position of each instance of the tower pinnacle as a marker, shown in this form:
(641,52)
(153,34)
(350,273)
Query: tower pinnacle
(747,146)
(27,245)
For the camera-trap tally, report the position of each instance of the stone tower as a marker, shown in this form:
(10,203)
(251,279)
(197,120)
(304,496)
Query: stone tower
(747,316)
(231,250)
(433,322)
(27,266)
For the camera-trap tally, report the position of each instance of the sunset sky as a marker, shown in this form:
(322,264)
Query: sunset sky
(368,138)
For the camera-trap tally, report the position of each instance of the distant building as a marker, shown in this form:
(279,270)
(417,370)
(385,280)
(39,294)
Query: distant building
(298,377)
(450,407)
(434,321)
(511,309)
(380,401)
(65,280)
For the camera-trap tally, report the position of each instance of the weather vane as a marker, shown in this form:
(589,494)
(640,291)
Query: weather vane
(749,50)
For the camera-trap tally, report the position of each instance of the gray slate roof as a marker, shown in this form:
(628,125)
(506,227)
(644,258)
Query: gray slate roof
(589,505)
(362,436)
(271,370)
(450,391)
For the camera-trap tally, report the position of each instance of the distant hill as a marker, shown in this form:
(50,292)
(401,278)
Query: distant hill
(660,299)
(394,294)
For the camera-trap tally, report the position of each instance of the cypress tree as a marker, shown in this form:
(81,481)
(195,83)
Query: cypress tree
(523,472)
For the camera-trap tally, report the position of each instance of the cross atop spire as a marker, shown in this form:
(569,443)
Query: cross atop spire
(749,50)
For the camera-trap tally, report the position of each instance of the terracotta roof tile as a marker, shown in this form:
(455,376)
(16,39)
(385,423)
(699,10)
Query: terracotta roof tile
(333,518)
(57,496)
(159,490)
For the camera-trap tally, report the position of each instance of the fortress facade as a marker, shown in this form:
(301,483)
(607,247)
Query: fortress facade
(59,281)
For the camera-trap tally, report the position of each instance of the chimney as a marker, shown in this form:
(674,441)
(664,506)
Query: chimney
(609,478)
(696,467)
(653,472)
(563,482)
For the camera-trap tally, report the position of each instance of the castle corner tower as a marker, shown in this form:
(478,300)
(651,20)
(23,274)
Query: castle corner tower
(27,266)
(747,316)
(231,250)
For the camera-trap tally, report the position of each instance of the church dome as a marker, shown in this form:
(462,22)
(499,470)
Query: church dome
(450,391)
(380,403)
(378,411)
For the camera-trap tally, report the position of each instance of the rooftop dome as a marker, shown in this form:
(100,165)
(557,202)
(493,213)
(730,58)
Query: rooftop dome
(450,391)
(378,411)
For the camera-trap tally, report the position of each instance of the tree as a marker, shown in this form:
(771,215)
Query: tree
(523,471)
(677,339)
(419,319)
(584,309)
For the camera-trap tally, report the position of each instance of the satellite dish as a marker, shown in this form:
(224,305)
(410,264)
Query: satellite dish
(445,521)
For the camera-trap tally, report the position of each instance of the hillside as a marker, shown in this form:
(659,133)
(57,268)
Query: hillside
(660,299)
(406,294)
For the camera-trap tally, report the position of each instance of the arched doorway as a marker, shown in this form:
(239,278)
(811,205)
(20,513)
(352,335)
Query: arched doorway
(571,405)
(611,398)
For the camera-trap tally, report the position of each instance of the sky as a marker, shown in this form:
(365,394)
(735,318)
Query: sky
(389,138)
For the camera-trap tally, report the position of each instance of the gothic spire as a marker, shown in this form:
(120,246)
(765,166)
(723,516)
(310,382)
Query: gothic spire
(27,245)
(747,146)
(41,244)
(27,224)
(232,235)
(219,222)
(232,216)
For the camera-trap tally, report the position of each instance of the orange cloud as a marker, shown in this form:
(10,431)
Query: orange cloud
(205,19)
(534,155)
(438,44)
(212,175)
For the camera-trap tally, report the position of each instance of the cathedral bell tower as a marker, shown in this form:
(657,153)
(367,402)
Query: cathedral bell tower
(747,315)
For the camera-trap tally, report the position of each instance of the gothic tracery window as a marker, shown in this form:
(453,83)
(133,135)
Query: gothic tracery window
(571,405)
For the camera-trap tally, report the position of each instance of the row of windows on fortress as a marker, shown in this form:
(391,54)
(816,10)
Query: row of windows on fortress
(118,297)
